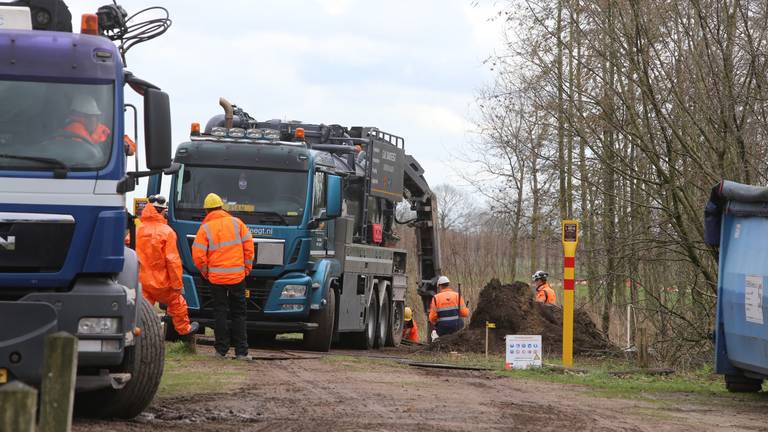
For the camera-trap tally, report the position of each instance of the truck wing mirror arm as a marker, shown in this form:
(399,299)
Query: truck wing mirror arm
(128,182)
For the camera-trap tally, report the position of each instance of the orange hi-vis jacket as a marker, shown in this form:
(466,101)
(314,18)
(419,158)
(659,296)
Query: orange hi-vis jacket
(223,249)
(97,137)
(411,333)
(446,312)
(160,269)
(157,252)
(545,294)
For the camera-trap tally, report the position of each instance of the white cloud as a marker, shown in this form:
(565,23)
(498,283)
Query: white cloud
(408,67)
(335,7)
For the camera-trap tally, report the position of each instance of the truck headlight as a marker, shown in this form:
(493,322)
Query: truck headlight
(293,291)
(90,325)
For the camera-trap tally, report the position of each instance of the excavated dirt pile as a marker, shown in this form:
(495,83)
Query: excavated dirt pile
(514,311)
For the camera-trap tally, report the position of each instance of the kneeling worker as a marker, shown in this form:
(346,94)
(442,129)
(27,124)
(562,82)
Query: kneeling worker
(544,292)
(410,329)
(160,266)
(447,309)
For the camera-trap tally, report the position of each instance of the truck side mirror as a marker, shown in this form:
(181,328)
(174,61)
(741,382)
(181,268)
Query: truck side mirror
(157,129)
(333,196)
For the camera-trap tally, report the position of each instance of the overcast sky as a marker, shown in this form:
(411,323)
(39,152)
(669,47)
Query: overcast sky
(411,68)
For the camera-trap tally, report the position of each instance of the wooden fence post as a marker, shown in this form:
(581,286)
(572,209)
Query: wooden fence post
(18,406)
(643,359)
(58,387)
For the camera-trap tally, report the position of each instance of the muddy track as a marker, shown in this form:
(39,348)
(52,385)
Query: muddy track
(343,394)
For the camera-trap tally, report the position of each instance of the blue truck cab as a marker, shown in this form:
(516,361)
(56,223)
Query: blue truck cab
(63,265)
(736,220)
(319,201)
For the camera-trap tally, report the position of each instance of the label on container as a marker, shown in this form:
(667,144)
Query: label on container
(753,298)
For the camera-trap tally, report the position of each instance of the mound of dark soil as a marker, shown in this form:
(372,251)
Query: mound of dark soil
(513,309)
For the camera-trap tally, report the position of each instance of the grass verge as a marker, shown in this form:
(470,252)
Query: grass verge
(596,378)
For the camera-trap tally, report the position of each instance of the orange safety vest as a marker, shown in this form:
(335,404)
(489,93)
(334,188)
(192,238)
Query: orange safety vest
(446,312)
(223,249)
(545,294)
(411,333)
(97,137)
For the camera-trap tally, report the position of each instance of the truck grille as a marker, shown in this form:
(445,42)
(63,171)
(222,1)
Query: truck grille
(259,292)
(34,243)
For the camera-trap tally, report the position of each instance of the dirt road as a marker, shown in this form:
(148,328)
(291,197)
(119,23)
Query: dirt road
(344,393)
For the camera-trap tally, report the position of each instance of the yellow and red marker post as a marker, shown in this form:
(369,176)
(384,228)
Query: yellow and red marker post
(570,231)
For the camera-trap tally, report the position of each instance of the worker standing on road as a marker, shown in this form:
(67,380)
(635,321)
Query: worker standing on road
(223,252)
(410,329)
(447,309)
(160,267)
(544,292)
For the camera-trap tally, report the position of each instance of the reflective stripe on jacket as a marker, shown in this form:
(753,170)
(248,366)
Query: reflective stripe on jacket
(158,254)
(545,294)
(446,312)
(223,249)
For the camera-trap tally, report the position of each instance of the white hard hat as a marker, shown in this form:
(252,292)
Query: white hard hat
(442,280)
(85,104)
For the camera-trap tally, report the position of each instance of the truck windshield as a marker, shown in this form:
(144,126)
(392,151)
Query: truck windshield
(257,196)
(46,125)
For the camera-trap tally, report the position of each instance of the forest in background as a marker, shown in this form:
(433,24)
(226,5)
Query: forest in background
(624,115)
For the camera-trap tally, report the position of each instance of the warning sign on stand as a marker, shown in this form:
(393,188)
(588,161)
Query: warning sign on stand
(523,351)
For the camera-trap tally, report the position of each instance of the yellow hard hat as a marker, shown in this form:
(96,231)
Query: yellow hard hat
(408,314)
(212,201)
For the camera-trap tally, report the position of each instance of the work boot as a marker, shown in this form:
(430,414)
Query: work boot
(190,336)
(189,339)
(245,357)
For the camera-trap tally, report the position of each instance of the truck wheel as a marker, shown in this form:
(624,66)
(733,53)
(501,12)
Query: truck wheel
(144,361)
(320,338)
(384,325)
(367,338)
(395,333)
(742,384)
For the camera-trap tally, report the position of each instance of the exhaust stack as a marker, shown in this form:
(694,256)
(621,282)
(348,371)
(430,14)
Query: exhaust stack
(228,112)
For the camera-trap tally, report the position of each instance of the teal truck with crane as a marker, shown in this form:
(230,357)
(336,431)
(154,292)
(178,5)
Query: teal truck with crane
(63,265)
(320,203)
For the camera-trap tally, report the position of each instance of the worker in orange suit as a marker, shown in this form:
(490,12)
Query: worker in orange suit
(410,329)
(160,266)
(84,121)
(223,252)
(544,292)
(447,309)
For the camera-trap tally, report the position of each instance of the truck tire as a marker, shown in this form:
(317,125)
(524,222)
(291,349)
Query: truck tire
(395,335)
(367,338)
(742,384)
(144,361)
(384,325)
(320,339)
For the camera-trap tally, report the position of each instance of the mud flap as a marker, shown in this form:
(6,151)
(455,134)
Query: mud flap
(23,330)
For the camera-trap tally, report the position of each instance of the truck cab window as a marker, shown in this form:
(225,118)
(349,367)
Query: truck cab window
(62,123)
(257,196)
